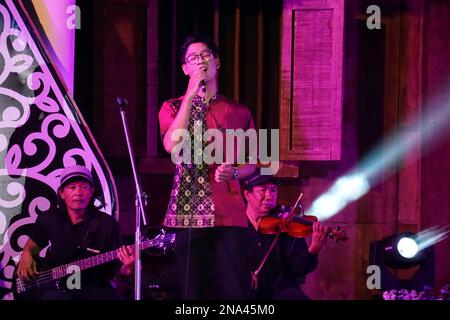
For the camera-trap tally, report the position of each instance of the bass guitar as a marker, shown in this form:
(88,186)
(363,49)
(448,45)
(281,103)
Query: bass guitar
(32,289)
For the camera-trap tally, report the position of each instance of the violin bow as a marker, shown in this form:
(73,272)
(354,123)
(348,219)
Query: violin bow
(254,274)
(295,205)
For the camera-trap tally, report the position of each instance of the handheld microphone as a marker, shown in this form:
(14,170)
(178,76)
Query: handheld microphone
(122,102)
(203,86)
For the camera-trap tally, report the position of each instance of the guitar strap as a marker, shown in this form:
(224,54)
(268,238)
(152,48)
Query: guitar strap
(89,235)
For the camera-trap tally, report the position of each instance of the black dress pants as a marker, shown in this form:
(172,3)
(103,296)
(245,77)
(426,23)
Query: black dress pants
(210,264)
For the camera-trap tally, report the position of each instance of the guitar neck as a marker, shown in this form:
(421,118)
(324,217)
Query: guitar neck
(87,263)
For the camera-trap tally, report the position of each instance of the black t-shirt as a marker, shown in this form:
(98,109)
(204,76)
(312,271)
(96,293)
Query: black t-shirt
(99,232)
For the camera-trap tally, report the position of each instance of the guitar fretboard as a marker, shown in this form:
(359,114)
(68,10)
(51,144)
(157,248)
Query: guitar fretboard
(83,264)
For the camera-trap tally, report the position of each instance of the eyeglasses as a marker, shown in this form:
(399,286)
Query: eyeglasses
(206,55)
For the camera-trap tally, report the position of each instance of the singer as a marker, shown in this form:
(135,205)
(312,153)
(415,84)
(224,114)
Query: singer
(205,206)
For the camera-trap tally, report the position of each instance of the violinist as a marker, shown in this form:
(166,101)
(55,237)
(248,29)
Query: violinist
(291,259)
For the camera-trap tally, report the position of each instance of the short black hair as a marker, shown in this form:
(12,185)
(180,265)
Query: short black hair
(196,39)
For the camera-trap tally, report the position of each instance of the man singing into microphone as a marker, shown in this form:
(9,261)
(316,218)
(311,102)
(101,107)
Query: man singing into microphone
(205,204)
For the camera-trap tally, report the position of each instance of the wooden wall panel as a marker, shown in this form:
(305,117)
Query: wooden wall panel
(311,80)
(152,79)
(120,62)
(435,169)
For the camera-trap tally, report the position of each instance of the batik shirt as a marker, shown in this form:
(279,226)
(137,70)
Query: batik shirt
(205,203)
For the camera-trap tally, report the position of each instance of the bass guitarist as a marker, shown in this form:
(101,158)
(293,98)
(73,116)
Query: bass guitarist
(76,229)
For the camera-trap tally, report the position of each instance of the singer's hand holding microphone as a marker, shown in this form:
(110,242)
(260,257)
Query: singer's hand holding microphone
(196,82)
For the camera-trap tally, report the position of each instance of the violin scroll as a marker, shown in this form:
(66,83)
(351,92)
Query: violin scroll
(337,234)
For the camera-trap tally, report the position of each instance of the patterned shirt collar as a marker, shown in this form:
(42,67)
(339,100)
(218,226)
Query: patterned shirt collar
(213,99)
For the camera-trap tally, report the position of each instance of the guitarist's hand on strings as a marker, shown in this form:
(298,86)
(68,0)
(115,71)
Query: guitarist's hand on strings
(27,266)
(126,256)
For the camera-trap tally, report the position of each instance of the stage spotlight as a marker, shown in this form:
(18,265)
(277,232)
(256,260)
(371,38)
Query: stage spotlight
(407,247)
(402,251)
(399,252)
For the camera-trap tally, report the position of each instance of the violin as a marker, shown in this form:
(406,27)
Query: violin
(295,226)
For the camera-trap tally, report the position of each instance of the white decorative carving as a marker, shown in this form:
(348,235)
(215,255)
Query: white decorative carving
(40,134)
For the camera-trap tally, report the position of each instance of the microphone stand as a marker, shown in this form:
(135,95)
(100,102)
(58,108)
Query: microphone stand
(139,204)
